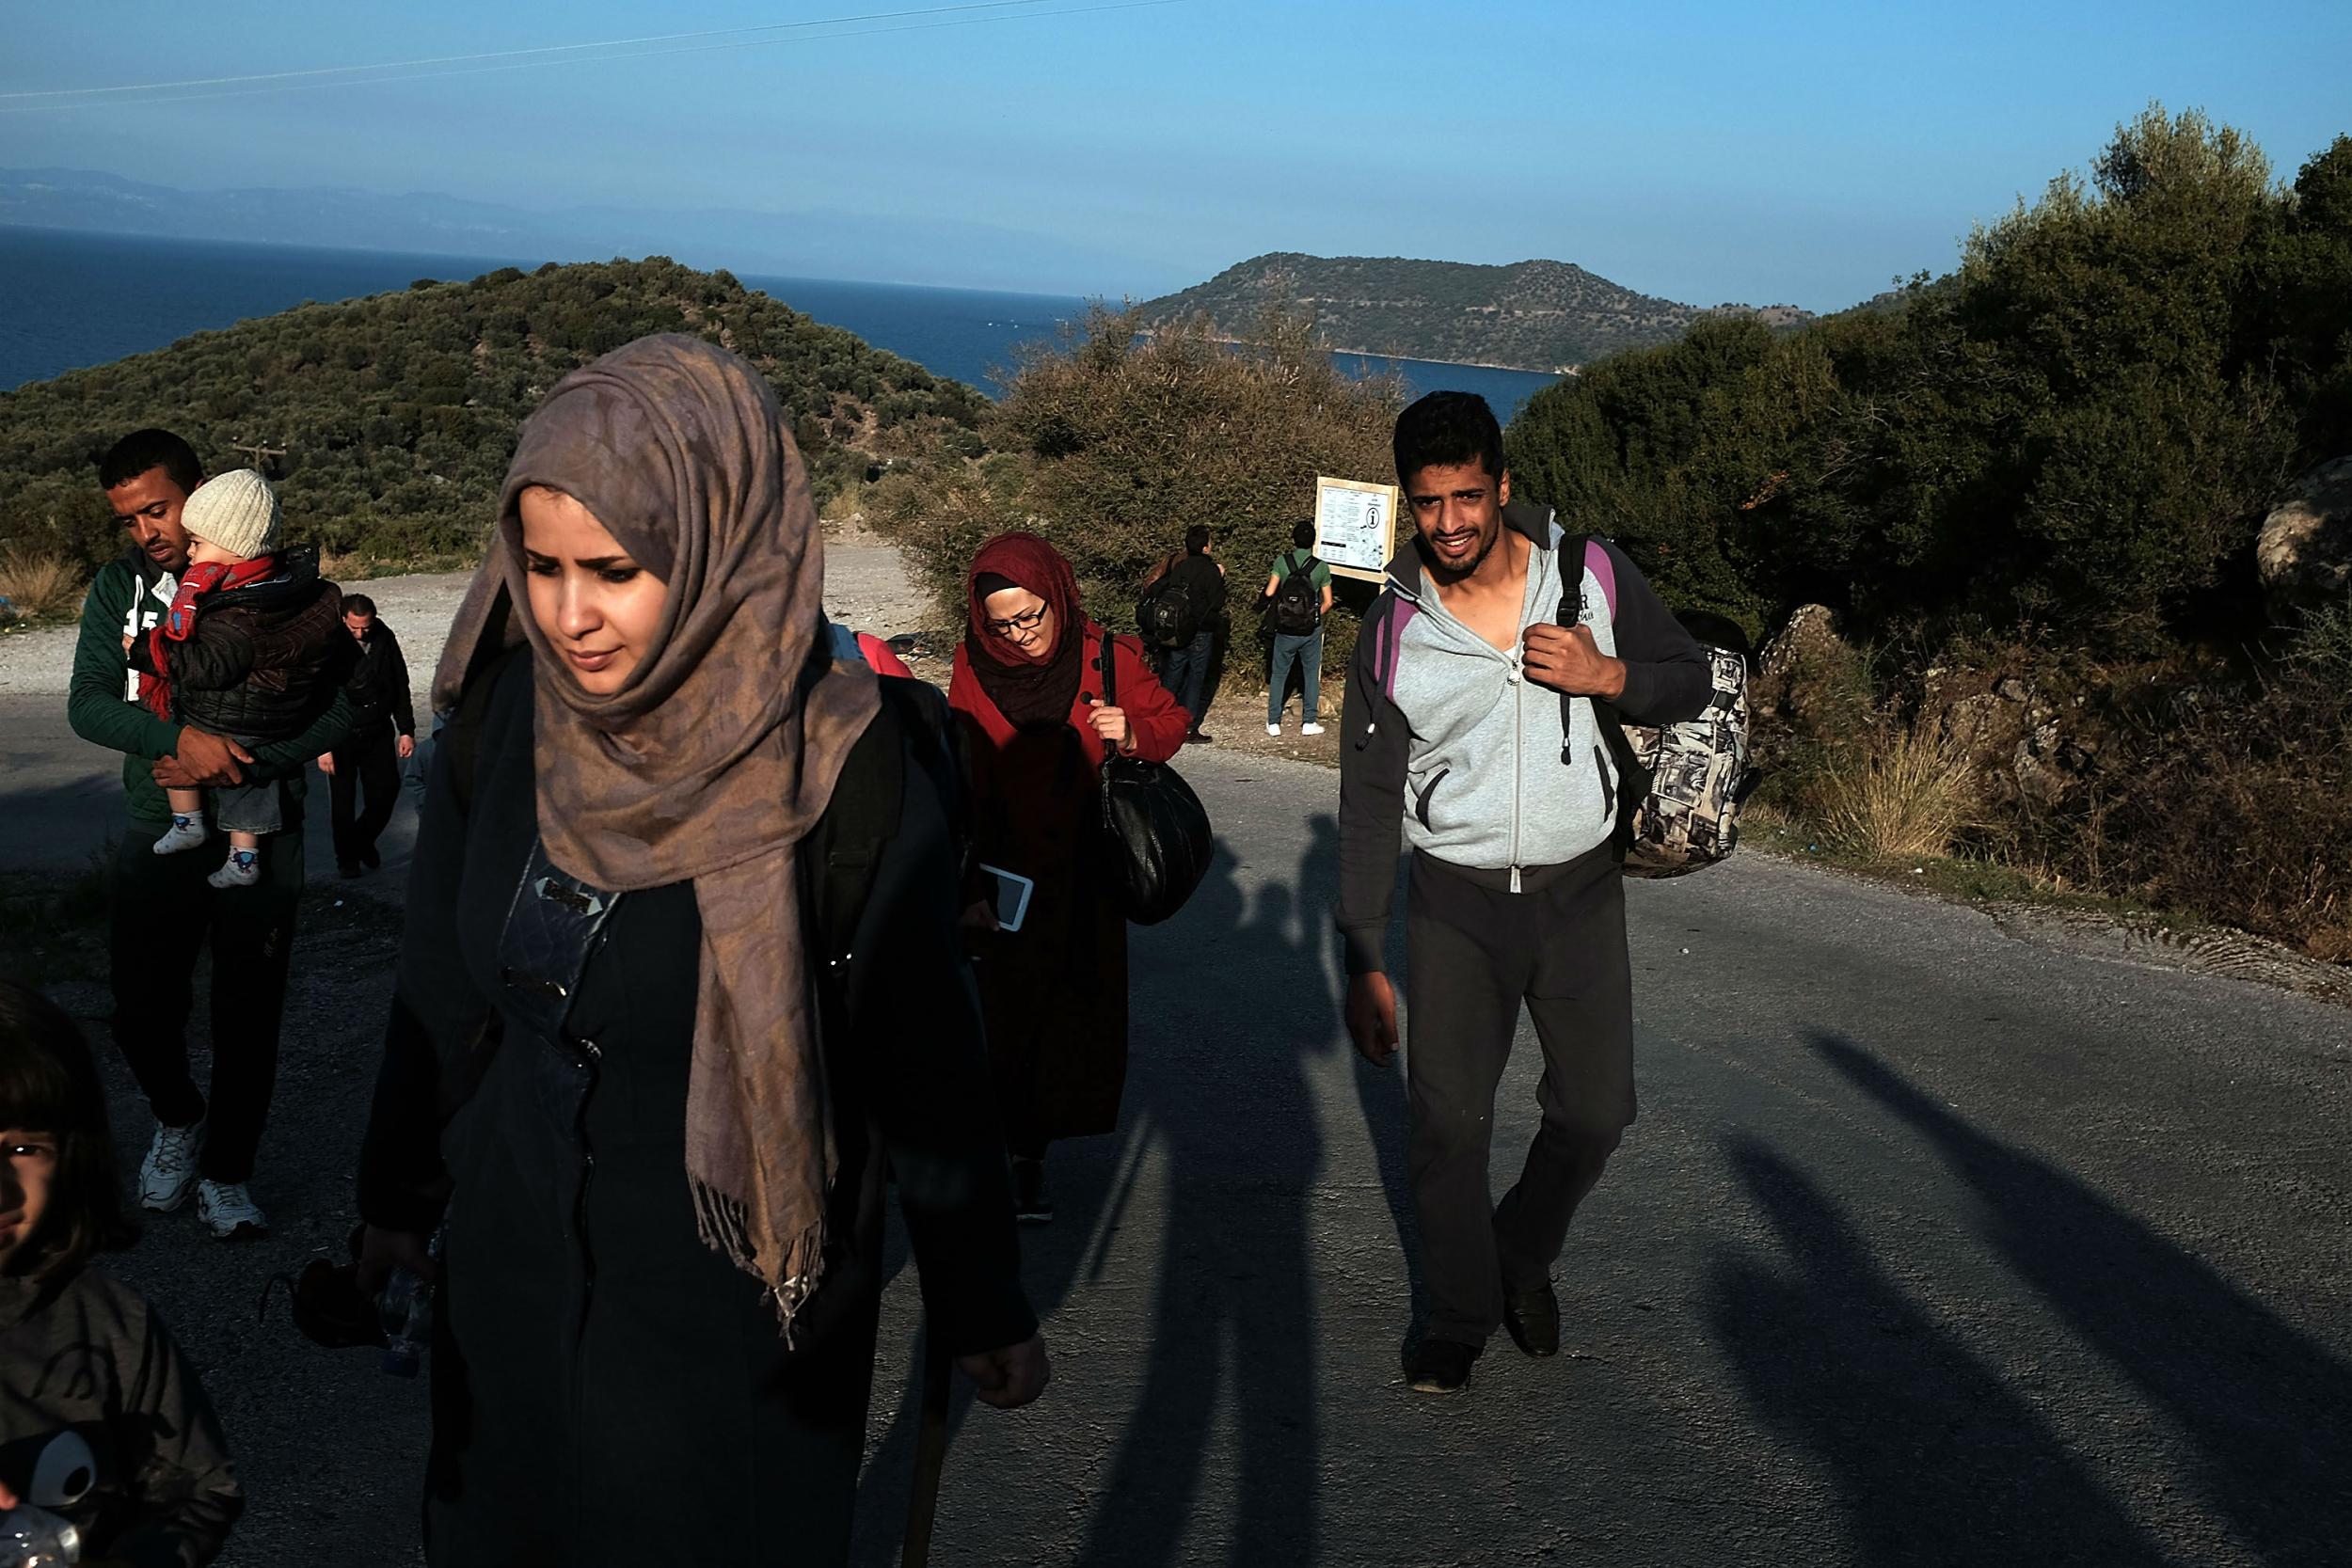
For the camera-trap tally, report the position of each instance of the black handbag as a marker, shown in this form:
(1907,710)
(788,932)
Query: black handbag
(1156,842)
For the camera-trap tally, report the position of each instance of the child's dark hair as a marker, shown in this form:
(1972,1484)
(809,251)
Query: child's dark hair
(49,1084)
(1303,534)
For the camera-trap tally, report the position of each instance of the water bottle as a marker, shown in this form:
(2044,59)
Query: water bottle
(35,1538)
(407,1308)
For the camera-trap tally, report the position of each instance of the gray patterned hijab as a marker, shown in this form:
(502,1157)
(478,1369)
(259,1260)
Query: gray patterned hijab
(715,758)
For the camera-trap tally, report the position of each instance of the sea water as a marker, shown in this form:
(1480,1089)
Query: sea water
(71,299)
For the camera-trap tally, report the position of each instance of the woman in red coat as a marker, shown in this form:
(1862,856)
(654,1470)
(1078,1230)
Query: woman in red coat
(1028,700)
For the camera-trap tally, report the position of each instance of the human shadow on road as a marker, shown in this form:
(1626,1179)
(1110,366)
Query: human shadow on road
(1090,1177)
(1934,1458)
(2264,1404)
(1232,1339)
(1379,1090)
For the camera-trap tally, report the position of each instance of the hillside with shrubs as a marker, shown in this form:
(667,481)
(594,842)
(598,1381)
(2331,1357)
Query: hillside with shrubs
(396,414)
(1526,315)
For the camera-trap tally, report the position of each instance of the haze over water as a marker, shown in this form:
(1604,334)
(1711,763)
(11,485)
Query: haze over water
(78,299)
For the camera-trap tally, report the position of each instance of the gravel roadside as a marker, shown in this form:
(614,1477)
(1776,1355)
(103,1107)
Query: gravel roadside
(865,585)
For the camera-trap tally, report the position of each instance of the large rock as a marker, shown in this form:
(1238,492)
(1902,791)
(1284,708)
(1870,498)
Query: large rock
(2304,552)
(1984,729)
(1812,631)
(1807,669)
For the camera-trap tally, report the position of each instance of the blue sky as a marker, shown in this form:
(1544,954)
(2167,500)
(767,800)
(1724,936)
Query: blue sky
(1803,152)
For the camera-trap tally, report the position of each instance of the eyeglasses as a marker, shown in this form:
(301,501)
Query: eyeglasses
(1028,620)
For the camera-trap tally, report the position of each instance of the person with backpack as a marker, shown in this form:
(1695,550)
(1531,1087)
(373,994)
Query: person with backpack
(1027,692)
(681,985)
(1482,706)
(1298,595)
(1193,581)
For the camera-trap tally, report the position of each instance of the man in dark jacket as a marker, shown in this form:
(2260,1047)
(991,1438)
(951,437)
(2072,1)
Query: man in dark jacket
(1201,579)
(1481,707)
(382,736)
(163,912)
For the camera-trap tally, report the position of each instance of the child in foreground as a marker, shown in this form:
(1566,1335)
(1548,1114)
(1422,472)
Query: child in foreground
(101,1419)
(252,648)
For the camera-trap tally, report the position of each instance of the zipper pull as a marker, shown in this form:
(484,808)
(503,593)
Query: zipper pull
(1515,879)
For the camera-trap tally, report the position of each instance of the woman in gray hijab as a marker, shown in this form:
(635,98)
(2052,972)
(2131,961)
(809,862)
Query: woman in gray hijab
(681,976)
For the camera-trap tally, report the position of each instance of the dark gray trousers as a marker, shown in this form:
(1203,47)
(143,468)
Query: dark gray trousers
(1475,955)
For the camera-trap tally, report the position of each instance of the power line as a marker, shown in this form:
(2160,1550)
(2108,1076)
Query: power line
(570,54)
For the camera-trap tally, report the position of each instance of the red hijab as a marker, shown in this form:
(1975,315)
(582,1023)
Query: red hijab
(1027,688)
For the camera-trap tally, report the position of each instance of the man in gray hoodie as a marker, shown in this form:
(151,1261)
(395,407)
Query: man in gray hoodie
(1480,720)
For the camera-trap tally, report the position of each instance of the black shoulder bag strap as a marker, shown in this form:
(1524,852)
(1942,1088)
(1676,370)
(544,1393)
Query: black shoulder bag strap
(860,820)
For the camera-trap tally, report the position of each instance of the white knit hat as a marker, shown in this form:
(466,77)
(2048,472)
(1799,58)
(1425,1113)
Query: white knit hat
(234,512)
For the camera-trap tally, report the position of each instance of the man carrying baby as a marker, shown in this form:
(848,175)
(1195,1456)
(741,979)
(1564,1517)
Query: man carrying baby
(164,913)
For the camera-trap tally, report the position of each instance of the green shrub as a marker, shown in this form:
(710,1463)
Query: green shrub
(2074,436)
(398,412)
(1110,445)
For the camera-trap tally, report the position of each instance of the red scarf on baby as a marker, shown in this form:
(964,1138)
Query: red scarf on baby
(178,622)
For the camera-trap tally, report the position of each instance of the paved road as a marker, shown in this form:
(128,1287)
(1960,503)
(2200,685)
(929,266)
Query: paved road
(1931,1246)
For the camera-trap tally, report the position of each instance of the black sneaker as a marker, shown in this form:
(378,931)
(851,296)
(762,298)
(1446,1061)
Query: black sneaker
(369,858)
(1031,1203)
(1532,1316)
(347,870)
(1439,1367)
(1195,738)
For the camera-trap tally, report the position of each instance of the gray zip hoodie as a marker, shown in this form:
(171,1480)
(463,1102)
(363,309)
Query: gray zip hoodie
(1478,766)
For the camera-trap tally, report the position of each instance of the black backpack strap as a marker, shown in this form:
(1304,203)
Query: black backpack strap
(1633,780)
(462,735)
(913,729)
(842,855)
(935,743)
(1109,673)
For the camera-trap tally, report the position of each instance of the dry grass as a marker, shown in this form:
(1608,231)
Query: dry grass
(1903,794)
(39,586)
(847,502)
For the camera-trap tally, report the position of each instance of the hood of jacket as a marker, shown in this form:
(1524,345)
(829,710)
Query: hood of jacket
(291,588)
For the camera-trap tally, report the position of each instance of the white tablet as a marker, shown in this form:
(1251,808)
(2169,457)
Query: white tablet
(1011,898)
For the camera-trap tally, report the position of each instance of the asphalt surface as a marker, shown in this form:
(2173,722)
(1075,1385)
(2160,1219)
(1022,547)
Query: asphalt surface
(1932,1245)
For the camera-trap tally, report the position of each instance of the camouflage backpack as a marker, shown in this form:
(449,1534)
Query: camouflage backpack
(1687,817)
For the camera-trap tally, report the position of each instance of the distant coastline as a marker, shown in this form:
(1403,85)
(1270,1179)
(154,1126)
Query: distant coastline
(1387,354)
(83,299)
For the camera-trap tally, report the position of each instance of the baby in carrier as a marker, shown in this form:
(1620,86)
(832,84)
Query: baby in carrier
(248,649)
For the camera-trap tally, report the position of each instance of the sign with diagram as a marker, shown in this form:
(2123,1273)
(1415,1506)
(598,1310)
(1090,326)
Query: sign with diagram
(1355,527)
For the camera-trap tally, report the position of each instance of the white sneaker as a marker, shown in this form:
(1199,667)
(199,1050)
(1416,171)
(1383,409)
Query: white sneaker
(1274,729)
(1310,729)
(243,868)
(169,1169)
(187,833)
(230,1210)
